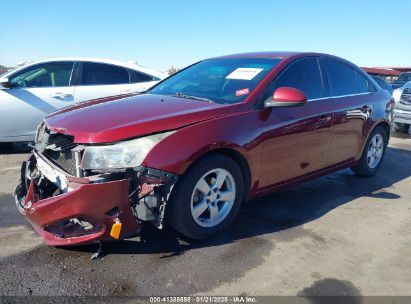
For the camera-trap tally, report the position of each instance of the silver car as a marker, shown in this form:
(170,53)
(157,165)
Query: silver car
(30,93)
(402,111)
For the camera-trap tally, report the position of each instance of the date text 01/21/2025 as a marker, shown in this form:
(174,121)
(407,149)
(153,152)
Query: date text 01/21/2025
(204,299)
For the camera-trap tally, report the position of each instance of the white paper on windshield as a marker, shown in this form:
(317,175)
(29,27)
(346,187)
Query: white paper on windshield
(244,73)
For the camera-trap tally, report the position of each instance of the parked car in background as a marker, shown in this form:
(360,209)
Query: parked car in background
(402,110)
(402,79)
(383,84)
(199,143)
(30,93)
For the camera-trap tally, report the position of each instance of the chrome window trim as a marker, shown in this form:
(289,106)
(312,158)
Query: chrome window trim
(351,95)
(99,85)
(340,96)
(315,99)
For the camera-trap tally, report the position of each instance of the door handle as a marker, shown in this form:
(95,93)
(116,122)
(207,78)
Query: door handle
(366,109)
(60,95)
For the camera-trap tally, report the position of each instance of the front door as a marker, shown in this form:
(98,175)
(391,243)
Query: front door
(35,92)
(295,140)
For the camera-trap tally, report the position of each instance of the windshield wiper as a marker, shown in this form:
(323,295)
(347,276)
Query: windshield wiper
(181,95)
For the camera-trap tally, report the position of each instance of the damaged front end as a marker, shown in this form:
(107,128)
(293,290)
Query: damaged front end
(68,205)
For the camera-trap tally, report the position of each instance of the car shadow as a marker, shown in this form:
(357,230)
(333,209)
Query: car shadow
(282,210)
(15,148)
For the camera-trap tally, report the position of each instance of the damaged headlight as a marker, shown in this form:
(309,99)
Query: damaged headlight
(127,154)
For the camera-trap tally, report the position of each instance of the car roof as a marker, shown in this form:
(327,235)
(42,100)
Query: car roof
(407,85)
(129,65)
(281,55)
(268,55)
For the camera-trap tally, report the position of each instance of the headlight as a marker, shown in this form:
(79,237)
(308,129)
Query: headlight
(127,154)
(397,94)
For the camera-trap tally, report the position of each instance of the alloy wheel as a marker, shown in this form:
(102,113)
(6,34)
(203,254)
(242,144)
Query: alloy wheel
(375,151)
(213,197)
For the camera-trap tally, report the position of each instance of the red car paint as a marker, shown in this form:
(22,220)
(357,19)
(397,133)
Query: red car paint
(289,95)
(132,117)
(276,147)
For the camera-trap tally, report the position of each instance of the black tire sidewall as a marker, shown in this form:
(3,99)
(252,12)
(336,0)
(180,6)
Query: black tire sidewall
(364,168)
(178,211)
(401,127)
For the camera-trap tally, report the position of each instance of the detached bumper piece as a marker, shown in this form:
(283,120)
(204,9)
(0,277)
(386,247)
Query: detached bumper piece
(402,116)
(67,210)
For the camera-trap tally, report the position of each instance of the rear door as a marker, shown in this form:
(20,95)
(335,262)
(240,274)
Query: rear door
(35,92)
(351,99)
(296,139)
(101,80)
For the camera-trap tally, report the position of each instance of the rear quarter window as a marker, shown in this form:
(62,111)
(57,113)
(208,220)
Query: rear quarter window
(136,77)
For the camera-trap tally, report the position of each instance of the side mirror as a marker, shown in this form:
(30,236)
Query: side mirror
(286,97)
(4,83)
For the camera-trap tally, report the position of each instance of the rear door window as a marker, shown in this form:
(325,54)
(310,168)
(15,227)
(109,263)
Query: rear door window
(103,74)
(342,79)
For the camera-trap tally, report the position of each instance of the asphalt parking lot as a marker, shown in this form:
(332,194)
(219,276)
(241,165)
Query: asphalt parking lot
(337,235)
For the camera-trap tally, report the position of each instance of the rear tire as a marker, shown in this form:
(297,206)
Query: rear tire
(401,127)
(373,154)
(207,198)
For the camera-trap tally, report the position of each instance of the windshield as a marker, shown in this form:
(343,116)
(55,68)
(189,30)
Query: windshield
(222,80)
(404,78)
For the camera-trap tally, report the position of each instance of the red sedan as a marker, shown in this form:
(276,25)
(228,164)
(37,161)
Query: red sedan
(193,148)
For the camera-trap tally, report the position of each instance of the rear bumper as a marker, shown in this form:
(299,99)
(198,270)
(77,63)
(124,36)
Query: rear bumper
(402,116)
(82,215)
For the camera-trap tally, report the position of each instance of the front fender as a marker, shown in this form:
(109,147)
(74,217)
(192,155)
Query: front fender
(179,151)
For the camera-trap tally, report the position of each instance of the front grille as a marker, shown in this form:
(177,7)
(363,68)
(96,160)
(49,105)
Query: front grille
(64,159)
(57,147)
(60,142)
(406,96)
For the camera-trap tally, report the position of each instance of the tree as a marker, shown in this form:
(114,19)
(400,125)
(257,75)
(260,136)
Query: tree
(172,70)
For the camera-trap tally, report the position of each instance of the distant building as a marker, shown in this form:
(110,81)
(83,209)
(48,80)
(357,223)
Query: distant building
(389,74)
(399,69)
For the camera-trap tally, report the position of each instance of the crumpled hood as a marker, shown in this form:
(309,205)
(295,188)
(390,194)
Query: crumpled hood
(115,120)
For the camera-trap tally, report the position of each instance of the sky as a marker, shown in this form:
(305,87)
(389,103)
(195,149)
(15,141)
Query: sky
(164,33)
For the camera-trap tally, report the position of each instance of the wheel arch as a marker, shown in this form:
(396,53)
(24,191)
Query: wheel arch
(236,156)
(381,123)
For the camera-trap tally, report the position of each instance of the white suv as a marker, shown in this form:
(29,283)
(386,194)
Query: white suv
(30,93)
(402,111)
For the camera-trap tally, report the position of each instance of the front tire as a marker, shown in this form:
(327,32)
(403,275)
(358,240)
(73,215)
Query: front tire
(373,153)
(207,198)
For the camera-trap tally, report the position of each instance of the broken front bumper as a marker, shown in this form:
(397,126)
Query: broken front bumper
(402,116)
(66,210)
